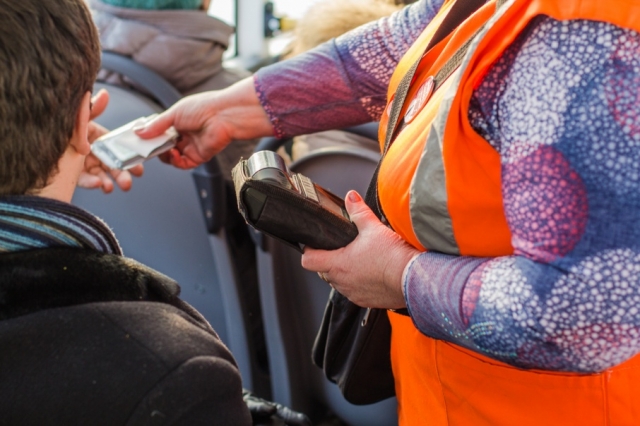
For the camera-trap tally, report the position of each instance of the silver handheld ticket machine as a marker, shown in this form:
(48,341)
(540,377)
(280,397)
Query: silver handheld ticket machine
(289,206)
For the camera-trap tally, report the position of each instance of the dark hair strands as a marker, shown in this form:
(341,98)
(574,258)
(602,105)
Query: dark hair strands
(50,54)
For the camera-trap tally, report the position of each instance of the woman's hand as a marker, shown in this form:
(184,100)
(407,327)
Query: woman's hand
(95,174)
(209,121)
(369,270)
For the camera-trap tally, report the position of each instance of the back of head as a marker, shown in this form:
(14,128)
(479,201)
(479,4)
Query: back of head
(155,4)
(50,55)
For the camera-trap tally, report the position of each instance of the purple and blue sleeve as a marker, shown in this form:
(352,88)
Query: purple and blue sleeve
(561,107)
(342,82)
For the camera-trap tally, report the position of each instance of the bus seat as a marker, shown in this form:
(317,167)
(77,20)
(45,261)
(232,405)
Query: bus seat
(153,84)
(234,256)
(160,221)
(293,301)
(130,104)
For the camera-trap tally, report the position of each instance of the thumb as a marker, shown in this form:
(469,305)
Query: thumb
(155,127)
(359,212)
(99,103)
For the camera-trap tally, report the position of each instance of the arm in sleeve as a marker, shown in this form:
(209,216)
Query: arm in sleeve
(561,108)
(342,82)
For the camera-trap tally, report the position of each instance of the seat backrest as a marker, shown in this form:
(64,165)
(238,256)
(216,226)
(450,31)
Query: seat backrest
(293,302)
(163,93)
(123,105)
(159,221)
(184,230)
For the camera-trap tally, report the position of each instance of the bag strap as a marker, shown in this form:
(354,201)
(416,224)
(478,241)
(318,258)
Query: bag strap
(460,11)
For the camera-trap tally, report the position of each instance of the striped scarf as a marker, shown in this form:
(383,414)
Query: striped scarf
(29,222)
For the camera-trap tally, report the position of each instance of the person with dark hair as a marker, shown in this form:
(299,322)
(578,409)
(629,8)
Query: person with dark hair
(508,198)
(87,336)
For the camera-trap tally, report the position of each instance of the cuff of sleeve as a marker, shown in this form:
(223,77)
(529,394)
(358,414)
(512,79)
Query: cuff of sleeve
(278,132)
(433,289)
(405,275)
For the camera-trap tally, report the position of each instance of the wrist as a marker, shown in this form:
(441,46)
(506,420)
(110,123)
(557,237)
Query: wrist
(395,272)
(239,104)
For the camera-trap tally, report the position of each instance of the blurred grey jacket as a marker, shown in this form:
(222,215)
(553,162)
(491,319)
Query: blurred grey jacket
(183,46)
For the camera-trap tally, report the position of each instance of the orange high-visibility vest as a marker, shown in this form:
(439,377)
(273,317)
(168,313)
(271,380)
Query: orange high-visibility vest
(440,188)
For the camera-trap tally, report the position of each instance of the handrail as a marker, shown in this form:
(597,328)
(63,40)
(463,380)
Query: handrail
(154,84)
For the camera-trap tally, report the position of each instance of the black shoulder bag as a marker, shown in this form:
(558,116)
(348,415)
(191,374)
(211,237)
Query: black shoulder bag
(353,345)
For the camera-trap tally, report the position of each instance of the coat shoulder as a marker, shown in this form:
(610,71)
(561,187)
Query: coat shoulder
(102,363)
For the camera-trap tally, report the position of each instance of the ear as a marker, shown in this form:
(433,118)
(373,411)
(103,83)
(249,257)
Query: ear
(79,140)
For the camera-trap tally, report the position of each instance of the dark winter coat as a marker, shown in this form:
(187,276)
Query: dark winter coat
(94,339)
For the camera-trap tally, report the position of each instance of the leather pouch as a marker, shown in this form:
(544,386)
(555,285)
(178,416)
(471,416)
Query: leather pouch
(353,347)
(289,206)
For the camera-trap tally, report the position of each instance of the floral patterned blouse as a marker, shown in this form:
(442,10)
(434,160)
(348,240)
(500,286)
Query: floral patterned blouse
(562,107)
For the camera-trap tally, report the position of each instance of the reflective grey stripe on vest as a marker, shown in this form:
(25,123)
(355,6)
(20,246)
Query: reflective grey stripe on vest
(428,203)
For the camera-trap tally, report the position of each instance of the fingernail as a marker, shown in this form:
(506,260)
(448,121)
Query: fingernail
(354,197)
(139,128)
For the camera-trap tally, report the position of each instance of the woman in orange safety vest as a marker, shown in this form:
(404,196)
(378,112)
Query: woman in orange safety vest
(511,193)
